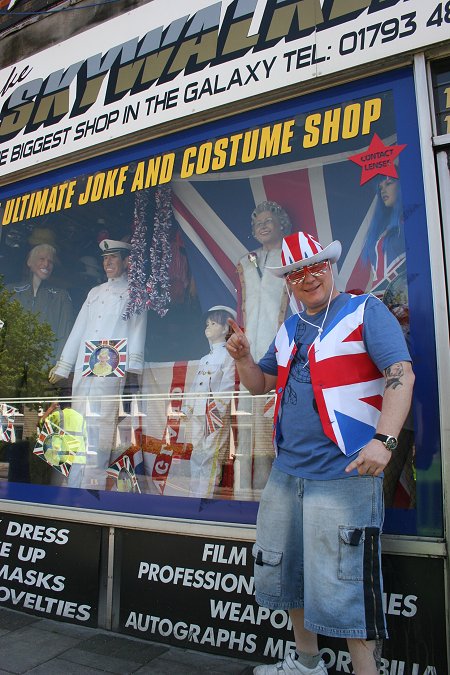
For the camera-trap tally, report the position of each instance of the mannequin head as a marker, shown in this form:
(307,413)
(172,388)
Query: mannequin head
(41,260)
(115,264)
(387,219)
(388,189)
(270,223)
(115,257)
(217,329)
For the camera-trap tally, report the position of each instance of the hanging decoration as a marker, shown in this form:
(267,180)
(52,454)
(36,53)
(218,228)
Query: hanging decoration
(136,267)
(213,420)
(7,413)
(104,358)
(123,473)
(56,447)
(158,284)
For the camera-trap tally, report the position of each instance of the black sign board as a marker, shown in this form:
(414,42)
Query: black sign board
(197,593)
(50,568)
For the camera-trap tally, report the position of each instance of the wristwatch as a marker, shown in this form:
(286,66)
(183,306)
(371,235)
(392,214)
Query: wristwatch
(389,442)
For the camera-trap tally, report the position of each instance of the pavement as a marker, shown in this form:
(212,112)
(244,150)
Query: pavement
(29,644)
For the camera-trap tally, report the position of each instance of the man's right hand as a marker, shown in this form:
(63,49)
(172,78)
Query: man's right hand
(237,344)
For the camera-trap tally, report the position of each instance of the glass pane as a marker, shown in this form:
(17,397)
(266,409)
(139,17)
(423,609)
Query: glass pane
(121,279)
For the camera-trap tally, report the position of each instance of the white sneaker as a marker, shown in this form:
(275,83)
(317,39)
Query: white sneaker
(290,666)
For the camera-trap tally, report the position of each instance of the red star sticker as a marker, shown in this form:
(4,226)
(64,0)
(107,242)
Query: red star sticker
(377,159)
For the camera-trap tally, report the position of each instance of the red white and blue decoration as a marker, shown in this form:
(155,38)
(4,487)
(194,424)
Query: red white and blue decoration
(7,413)
(114,353)
(158,283)
(56,447)
(122,471)
(136,266)
(213,419)
(152,292)
(300,249)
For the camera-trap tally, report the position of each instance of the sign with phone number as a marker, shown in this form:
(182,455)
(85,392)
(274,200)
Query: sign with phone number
(395,32)
(217,53)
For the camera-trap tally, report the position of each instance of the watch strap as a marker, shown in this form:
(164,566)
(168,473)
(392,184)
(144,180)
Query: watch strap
(385,440)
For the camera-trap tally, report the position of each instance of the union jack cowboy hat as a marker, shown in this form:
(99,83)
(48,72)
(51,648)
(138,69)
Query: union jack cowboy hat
(300,249)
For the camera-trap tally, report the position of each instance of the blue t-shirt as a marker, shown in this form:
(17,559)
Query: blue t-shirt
(303,448)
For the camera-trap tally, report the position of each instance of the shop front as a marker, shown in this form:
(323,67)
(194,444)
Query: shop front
(148,175)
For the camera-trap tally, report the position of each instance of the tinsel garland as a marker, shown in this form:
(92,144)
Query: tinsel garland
(158,284)
(136,267)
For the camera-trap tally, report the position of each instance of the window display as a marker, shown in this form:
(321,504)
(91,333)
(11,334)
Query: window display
(124,260)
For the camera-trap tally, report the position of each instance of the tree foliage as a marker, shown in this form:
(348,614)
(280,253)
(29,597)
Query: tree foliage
(26,348)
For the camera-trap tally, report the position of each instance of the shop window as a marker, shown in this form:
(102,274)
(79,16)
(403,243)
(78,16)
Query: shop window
(131,267)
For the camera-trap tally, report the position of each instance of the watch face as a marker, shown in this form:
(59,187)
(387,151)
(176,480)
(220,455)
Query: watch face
(391,443)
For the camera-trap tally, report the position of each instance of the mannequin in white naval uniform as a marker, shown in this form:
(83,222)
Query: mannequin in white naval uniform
(100,318)
(263,308)
(215,376)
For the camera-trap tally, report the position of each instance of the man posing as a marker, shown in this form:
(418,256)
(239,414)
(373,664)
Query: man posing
(343,379)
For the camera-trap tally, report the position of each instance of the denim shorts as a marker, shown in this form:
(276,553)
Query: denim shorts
(318,547)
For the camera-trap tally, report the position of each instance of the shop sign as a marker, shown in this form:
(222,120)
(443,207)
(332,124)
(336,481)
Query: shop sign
(41,565)
(213,54)
(198,593)
(441,88)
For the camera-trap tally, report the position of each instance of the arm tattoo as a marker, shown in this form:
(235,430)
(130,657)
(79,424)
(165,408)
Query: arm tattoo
(394,375)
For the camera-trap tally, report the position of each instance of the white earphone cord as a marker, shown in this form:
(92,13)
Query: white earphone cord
(319,328)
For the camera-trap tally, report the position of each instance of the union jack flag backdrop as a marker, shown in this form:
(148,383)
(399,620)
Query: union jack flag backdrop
(324,200)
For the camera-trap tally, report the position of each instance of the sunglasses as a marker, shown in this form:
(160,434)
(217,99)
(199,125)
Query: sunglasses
(298,276)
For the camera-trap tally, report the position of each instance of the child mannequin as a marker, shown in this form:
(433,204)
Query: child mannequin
(215,376)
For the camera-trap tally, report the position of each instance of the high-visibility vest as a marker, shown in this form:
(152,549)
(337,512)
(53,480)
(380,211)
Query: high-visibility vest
(74,425)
